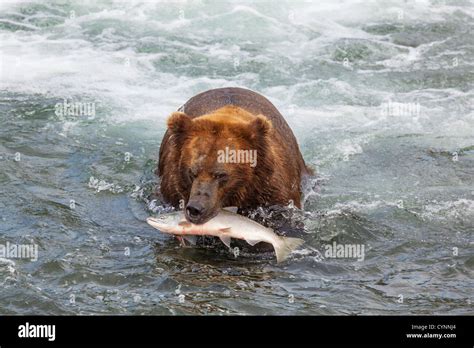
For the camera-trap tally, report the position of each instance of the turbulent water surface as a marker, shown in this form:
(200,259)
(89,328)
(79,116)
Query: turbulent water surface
(397,179)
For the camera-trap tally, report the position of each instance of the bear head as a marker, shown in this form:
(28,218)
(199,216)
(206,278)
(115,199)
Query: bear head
(220,162)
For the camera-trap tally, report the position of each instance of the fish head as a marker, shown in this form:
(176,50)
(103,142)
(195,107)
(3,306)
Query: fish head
(168,223)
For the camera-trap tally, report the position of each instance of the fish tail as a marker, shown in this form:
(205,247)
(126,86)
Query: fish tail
(285,246)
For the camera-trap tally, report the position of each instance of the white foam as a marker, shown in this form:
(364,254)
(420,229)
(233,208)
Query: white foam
(102,185)
(68,62)
(10,264)
(461,210)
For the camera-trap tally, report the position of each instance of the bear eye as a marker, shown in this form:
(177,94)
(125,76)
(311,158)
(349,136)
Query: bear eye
(220,176)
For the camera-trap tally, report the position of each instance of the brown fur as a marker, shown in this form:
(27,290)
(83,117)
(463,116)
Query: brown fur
(188,163)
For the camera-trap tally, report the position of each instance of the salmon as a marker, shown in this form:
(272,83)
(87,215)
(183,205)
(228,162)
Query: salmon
(226,225)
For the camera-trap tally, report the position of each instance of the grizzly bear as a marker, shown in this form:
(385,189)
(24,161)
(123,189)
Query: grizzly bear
(229,147)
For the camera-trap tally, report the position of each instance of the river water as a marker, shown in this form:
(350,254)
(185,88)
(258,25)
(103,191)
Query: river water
(378,94)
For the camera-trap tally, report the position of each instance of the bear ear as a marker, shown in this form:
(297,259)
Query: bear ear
(260,127)
(179,122)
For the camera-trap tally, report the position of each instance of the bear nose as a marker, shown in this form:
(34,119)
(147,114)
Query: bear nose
(194,210)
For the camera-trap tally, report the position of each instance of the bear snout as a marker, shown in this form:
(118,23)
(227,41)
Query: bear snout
(194,210)
(199,210)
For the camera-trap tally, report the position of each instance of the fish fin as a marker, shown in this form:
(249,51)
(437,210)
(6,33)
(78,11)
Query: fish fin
(184,223)
(225,240)
(285,246)
(191,239)
(252,242)
(232,209)
(181,241)
(225,229)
